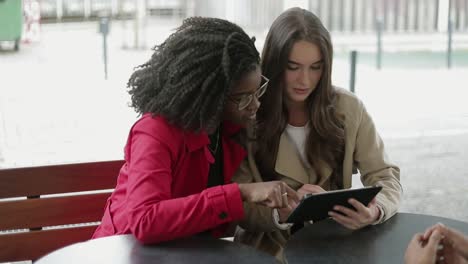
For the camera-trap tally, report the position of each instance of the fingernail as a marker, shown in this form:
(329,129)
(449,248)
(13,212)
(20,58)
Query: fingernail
(440,247)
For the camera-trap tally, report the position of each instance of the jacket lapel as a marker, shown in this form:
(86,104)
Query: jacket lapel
(288,161)
(289,164)
(233,152)
(325,171)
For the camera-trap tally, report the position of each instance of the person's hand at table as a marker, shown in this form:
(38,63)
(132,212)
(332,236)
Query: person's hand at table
(455,244)
(423,251)
(274,194)
(358,217)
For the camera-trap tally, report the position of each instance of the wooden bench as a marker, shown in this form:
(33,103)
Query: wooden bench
(38,205)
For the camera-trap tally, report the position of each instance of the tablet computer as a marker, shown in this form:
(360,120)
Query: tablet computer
(316,206)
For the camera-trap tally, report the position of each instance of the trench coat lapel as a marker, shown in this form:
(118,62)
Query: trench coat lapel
(289,164)
(324,171)
(288,161)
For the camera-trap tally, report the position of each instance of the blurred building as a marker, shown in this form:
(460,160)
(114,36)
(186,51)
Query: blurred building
(338,15)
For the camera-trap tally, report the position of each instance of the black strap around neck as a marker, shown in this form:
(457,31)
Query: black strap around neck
(216,175)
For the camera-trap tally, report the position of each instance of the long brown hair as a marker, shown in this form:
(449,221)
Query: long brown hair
(325,141)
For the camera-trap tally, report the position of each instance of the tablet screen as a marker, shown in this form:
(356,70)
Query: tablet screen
(316,206)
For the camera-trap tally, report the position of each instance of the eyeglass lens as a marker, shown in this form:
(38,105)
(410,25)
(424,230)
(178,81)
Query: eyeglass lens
(245,101)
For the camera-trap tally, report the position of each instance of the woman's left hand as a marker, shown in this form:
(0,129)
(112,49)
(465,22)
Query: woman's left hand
(355,219)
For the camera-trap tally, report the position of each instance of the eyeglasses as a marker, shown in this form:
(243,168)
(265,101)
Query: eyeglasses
(245,100)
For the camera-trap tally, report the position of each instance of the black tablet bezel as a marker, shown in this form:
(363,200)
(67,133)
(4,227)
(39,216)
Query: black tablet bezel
(315,207)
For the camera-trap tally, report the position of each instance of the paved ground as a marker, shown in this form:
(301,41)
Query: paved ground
(55,106)
(435,175)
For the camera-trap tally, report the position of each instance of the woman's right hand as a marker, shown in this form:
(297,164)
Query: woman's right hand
(305,189)
(274,194)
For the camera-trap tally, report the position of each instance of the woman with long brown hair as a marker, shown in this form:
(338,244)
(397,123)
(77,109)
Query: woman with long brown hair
(312,135)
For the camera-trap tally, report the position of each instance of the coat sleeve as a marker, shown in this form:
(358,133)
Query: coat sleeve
(258,218)
(154,215)
(375,167)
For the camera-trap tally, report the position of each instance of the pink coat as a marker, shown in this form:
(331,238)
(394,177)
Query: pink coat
(161,191)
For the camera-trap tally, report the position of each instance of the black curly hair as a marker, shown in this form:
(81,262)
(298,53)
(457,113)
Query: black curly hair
(190,74)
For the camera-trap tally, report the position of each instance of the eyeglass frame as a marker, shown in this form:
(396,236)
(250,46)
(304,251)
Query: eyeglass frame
(250,96)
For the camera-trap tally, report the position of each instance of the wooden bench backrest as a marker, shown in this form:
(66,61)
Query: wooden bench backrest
(36,203)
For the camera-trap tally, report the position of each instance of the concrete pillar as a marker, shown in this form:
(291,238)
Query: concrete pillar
(443,16)
(59,10)
(87,8)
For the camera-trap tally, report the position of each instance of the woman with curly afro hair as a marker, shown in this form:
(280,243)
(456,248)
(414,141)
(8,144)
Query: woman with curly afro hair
(197,95)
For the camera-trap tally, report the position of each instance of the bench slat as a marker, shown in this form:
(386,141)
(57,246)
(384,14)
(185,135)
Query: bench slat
(32,213)
(33,181)
(33,245)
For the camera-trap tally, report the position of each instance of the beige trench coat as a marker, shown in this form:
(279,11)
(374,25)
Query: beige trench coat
(364,150)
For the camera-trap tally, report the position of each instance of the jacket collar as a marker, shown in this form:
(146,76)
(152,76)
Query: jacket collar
(198,140)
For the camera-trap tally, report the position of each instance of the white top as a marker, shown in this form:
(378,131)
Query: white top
(298,136)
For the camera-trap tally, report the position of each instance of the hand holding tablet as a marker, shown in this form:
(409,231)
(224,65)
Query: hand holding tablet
(316,206)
